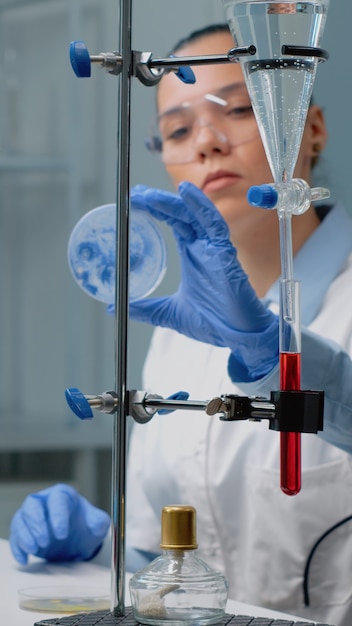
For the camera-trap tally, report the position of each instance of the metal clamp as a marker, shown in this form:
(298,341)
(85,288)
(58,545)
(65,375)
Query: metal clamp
(148,70)
(286,411)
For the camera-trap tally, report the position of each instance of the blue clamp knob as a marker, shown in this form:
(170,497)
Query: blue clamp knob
(186,74)
(78,403)
(80,59)
(264,196)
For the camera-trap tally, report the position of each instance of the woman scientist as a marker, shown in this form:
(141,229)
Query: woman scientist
(219,334)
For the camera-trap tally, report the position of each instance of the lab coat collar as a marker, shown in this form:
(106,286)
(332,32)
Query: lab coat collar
(319,261)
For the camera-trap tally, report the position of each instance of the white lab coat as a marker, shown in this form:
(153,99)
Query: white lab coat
(247,528)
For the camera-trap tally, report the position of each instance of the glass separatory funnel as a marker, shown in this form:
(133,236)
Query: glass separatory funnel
(92,254)
(177,588)
(280,78)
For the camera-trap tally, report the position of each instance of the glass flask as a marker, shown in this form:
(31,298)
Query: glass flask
(178,588)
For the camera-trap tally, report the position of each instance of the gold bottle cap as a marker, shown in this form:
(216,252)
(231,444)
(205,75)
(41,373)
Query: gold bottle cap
(178,528)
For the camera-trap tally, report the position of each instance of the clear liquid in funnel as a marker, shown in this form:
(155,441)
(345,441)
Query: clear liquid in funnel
(280,86)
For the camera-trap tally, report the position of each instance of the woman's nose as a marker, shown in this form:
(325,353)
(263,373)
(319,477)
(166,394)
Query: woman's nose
(210,139)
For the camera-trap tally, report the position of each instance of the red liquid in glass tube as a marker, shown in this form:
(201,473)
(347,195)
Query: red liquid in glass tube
(290,452)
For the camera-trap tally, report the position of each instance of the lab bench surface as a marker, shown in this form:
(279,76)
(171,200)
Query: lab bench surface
(40,574)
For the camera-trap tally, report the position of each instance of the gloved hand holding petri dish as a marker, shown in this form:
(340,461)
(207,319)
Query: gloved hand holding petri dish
(92,253)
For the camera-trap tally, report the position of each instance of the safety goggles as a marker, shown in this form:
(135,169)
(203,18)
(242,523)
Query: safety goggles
(179,133)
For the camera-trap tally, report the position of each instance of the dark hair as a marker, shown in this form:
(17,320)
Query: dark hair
(199,34)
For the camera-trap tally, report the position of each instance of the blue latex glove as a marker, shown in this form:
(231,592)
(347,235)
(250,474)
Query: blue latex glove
(57,524)
(214,302)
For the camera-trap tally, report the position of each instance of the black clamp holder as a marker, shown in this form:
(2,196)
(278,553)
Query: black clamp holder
(287,411)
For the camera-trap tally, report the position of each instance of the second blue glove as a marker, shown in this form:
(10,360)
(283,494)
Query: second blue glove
(57,524)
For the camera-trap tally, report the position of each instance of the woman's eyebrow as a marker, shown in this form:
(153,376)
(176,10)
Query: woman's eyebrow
(233,87)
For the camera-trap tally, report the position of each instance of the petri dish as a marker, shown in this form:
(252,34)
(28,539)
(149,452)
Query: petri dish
(92,253)
(63,599)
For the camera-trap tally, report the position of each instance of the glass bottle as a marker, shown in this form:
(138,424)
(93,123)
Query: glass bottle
(178,588)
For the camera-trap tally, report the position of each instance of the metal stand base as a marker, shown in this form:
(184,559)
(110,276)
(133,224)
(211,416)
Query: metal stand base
(105,618)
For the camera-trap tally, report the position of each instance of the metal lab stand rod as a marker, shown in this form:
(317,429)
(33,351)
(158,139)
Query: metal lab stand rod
(118,485)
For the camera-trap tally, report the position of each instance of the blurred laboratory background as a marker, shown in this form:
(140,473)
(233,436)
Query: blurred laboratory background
(57,161)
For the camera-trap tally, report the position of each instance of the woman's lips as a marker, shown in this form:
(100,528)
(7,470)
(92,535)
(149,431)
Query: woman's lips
(220,180)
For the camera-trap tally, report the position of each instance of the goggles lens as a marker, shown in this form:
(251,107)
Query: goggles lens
(228,115)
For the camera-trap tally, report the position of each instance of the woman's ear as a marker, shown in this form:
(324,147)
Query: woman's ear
(315,132)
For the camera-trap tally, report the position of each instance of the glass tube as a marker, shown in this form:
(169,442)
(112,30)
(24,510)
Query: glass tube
(290,380)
